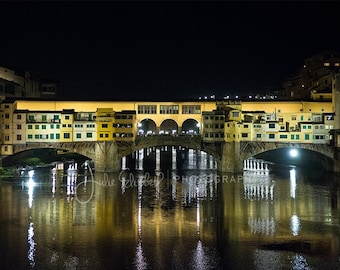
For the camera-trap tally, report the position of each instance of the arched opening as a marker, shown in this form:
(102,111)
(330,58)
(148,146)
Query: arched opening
(169,127)
(190,127)
(310,162)
(147,127)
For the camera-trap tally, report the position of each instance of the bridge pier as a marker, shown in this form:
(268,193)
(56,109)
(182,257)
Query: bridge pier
(106,157)
(336,160)
(231,161)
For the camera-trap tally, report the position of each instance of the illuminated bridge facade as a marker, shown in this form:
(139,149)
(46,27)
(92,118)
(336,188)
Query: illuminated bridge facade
(231,131)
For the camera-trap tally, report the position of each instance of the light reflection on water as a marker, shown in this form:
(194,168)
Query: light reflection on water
(171,219)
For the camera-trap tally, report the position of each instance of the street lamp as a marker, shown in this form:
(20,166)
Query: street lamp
(293,153)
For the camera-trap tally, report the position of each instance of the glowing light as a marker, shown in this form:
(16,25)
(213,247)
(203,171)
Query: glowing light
(293,153)
(30,173)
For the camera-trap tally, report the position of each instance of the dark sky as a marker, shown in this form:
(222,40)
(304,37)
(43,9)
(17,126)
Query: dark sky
(165,50)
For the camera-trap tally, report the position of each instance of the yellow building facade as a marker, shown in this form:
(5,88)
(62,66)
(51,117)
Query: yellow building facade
(275,121)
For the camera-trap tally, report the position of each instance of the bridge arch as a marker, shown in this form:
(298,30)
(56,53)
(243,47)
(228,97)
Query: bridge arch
(307,154)
(33,155)
(147,126)
(193,142)
(168,126)
(190,126)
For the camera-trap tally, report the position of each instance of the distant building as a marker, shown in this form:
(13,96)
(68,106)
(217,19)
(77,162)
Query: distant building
(10,89)
(315,79)
(17,83)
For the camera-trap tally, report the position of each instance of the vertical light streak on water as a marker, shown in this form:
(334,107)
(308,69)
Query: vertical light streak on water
(272,192)
(174,158)
(156,184)
(30,185)
(140,261)
(211,162)
(31,244)
(299,262)
(123,184)
(211,187)
(71,180)
(295,225)
(54,174)
(140,159)
(74,178)
(158,159)
(198,217)
(292,178)
(203,184)
(139,218)
(199,261)
(190,159)
(173,185)
(53,185)
(30,231)
(124,163)
(140,186)
(203,161)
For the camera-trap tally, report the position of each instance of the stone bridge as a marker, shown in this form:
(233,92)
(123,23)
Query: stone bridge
(254,148)
(323,153)
(187,141)
(229,156)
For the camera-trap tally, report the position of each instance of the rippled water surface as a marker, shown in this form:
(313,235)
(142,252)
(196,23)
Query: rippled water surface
(170,219)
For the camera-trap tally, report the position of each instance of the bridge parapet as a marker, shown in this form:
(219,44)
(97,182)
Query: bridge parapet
(185,141)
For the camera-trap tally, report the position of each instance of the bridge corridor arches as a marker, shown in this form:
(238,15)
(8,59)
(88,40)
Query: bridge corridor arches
(190,127)
(147,127)
(168,127)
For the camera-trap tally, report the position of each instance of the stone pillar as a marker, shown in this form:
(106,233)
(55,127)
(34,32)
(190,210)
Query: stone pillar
(106,157)
(336,161)
(231,160)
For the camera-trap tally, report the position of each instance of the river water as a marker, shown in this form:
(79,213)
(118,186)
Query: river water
(178,213)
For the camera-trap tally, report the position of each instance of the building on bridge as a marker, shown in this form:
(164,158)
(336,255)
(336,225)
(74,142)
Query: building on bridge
(290,127)
(22,127)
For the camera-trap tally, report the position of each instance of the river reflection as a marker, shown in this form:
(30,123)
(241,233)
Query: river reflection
(169,219)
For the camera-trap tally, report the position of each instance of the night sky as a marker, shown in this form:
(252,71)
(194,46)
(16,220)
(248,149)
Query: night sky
(165,50)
